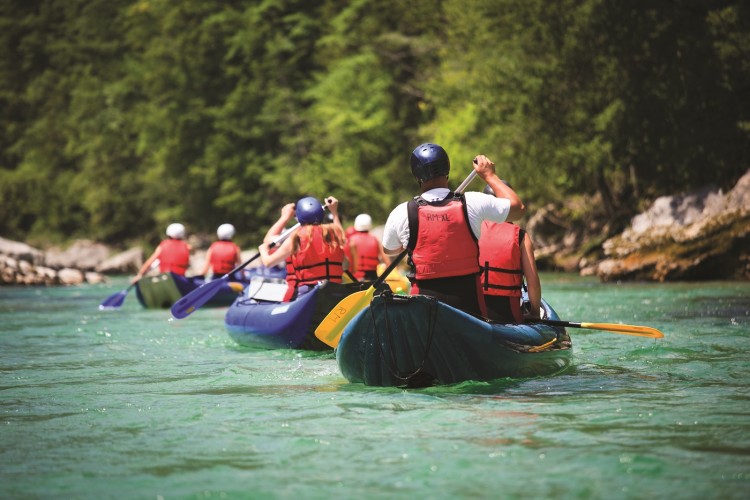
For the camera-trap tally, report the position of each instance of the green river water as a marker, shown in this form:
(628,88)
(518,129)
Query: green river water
(130,404)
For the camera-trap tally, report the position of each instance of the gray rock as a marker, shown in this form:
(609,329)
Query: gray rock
(692,236)
(83,254)
(68,276)
(94,278)
(127,262)
(21,251)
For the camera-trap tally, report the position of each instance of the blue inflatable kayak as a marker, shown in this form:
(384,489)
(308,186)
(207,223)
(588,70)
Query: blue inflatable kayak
(259,318)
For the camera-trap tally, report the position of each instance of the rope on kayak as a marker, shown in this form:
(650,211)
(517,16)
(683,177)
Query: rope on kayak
(543,346)
(411,379)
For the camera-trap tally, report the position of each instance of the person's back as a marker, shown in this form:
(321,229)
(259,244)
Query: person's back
(367,249)
(441,230)
(317,255)
(506,255)
(223,255)
(445,252)
(315,252)
(502,277)
(174,254)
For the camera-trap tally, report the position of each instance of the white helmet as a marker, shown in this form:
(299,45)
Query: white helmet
(225,232)
(363,222)
(176,231)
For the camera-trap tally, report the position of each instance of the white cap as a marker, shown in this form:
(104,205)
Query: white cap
(176,231)
(363,222)
(225,232)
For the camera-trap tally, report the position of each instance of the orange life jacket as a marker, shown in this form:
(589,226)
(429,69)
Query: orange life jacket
(174,256)
(500,258)
(223,256)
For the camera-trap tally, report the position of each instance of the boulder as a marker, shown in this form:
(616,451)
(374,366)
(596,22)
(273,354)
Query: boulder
(693,236)
(127,262)
(22,265)
(68,276)
(94,278)
(21,251)
(82,254)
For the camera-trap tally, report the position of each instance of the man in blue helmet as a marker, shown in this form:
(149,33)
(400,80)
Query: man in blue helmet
(441,229)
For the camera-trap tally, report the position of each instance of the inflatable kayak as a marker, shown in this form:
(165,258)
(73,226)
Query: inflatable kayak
(265,272)
(163,290)
(418,341)
(260,319)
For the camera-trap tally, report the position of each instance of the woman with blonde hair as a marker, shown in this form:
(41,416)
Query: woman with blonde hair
(314,253)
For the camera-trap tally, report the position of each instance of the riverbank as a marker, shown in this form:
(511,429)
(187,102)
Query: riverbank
(702,235)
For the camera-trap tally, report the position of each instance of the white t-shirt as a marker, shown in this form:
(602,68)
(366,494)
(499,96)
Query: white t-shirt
(479,206)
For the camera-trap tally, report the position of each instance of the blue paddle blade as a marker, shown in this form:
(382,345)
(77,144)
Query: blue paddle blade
(115,300)
(195,299)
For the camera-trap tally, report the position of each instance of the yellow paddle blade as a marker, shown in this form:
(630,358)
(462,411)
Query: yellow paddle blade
(638,331)
(236,286)
(330,329)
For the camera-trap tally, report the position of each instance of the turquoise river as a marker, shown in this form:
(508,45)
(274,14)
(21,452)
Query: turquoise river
(131,404)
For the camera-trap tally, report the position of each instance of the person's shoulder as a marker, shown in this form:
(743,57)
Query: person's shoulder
(477,196)
(398,211)
(400,206)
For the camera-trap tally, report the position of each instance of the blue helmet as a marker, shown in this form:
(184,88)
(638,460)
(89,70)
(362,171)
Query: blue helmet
(309,211)
(429,161)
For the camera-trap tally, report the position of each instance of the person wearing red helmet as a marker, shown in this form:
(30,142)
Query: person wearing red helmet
(441,229)
(173,254)
(315,252)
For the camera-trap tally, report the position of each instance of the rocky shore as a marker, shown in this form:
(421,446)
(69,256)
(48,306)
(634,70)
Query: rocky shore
(702,235)
(691,236)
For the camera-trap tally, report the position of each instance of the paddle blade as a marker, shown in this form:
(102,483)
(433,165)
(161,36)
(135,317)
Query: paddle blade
(195,299)
(330,329)
(114,301)
(636,330)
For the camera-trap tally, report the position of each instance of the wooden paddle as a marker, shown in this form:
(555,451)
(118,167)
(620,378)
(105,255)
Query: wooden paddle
(330,329)
(198,297)
(635,330)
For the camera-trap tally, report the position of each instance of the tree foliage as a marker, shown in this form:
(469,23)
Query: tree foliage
(120,116)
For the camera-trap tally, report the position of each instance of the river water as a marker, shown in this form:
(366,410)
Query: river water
(130,404)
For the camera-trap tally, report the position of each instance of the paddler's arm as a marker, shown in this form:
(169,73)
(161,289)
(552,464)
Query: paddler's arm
(287,212)
(283,251)
(485,168)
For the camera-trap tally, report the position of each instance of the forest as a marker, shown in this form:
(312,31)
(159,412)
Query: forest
(118,117)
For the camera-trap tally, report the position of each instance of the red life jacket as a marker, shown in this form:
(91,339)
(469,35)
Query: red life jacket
(174,256)
(223,256)
(348,233)
(500,258)
(315,261)
(291,280)
(368,252)
(441,242)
